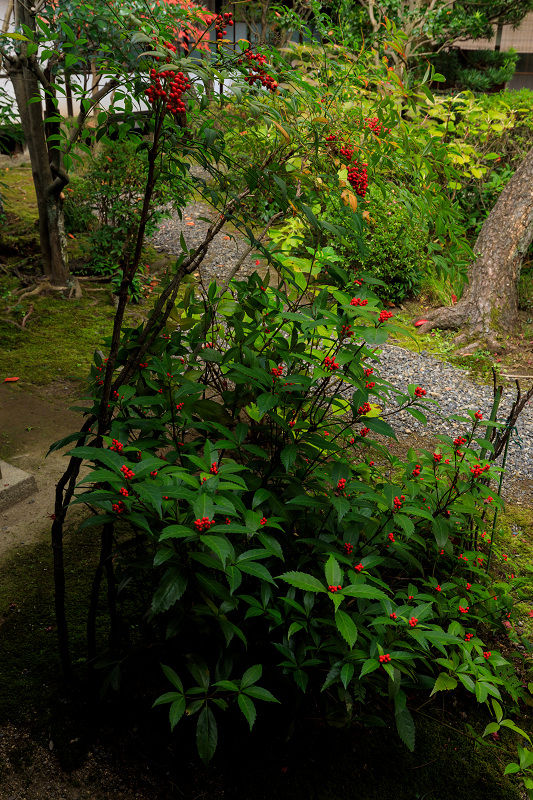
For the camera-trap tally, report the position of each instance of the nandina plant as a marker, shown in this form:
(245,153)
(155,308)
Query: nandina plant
(243,454)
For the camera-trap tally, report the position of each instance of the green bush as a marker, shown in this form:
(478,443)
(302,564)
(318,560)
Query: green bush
(396,244)
(288,564)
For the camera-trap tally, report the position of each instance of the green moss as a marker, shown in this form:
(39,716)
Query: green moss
(59,340)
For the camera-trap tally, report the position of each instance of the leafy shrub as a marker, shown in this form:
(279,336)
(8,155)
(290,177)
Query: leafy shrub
(288,562)
(396,249)
(112,193)
(79,216)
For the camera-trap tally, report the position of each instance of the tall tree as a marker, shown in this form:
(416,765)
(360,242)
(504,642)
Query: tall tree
(490,303)
(428,26)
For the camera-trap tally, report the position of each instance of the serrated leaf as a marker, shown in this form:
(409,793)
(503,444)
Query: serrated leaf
(251,676)
(219,545)
(444,682)
(169,591)
(365,591)
(333,572)
(347,672)
(206,735)
(288,456)
(406,728)
(246,704)
(346,627)
(176,711)
(301,580)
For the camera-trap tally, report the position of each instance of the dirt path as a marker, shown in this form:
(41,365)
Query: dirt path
(29,422)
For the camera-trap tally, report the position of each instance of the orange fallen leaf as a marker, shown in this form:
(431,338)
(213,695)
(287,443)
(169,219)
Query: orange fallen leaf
(225,237)
(189,223)
(71,236)
(10,380)
(420,322)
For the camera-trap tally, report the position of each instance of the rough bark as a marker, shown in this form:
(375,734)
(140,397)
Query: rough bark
(27,86)
(490,303)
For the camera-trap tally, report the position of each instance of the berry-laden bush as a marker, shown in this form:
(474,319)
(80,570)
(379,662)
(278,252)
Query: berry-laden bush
(247,454)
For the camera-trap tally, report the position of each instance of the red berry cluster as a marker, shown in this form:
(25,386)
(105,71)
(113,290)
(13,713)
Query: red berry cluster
(341,486)
(437,457)
(127,472)
(391,537)
(487,654)
(116,446)
(368,372)
(373,124)
(416,471)
(346,331)
(385,315)
(419,392)
(478,415)
(358,568)
(364,409)
(331,138)
(264,520)
(257,72)
(292,423)
(124,492)
(220,24)
(348,548)
(364,431)
(334,589)
(214,468)
(346,152)
(398,502)
(468,636)
(384,659)
(393,615)
(356,301)
(175,84)
(203,524)
(413,622)
(438,588)
(370,384)
(153,474)
(459,441)
(118,508)
(358,178)
(464,610)
(179,406)
(277,372)
(478,470)
(331,364)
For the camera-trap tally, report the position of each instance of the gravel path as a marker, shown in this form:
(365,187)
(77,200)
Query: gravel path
(451,387)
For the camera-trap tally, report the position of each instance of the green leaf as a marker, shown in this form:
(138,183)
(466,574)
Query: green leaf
(219,545)
(370,665)
(288,456)
(176,711)
(172,677)
(260,694)
(257,570)
(511,768)
(301,580)
(406,728)
(251,676)
(248,709)
(206,735)
(203,506)
(169,591)
(364,590)
(333,572)
(347,672)
(444,682)
(346,627)
(341,505)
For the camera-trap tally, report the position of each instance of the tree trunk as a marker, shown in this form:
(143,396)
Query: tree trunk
(48,191)
(490,303)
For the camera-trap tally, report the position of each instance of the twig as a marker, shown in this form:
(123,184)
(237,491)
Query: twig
(12,322)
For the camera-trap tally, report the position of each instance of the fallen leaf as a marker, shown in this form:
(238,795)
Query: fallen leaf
(189,223)
(71,236)
(420,322)
(10,380)
(225,237)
